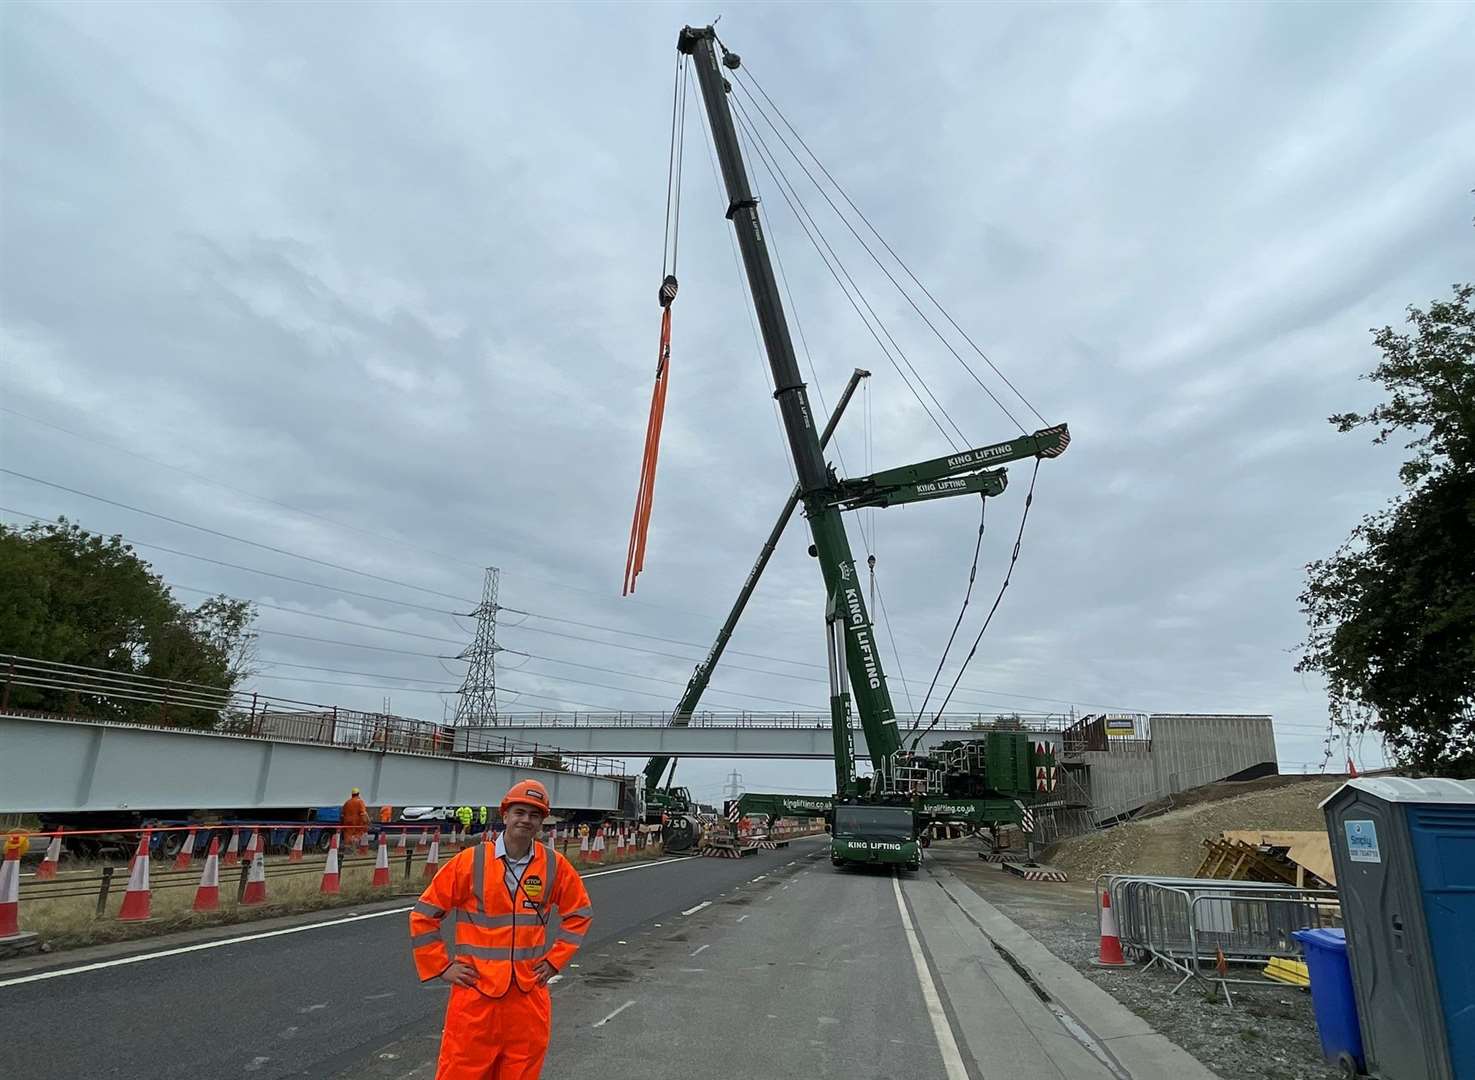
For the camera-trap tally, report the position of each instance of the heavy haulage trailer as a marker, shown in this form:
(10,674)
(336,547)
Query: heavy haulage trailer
(881,817)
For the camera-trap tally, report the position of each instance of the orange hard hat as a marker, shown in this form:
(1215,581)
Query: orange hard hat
(528,792)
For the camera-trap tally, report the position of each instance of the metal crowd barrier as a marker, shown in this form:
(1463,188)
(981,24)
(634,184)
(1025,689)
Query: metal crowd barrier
(1199,927)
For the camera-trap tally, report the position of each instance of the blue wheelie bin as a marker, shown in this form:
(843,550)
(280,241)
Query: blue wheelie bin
(1332,997)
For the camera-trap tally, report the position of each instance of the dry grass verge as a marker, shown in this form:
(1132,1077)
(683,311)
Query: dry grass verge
(63,912)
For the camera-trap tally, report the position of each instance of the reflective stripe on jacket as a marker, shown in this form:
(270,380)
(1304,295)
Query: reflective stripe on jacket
(463,815)
(481,814)
(501,936)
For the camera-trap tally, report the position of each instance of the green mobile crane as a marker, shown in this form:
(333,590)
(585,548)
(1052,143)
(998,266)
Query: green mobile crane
(978,780)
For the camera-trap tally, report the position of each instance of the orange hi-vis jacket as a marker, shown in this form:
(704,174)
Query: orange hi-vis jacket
(501,935)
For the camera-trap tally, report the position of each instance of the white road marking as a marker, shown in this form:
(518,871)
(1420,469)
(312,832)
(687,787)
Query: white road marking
(741,918)
(639,866)
(952,1060)
(313,1008)
(699,948)
(141,957)
(379,997)
(694,910)
(617,1012)
(760,877)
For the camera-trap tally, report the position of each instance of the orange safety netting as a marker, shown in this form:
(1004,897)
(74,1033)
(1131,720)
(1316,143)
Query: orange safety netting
(635,554)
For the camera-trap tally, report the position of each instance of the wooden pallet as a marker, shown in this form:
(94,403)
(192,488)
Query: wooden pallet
(1236,860)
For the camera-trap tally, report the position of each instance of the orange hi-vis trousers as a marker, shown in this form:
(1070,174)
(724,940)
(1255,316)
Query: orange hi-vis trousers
(501,1038)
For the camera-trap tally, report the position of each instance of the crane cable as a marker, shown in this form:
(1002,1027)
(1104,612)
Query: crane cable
(645,494)
(967,596)
(1013,558)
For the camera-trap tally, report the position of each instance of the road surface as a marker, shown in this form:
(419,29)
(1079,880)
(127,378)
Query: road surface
(776,965)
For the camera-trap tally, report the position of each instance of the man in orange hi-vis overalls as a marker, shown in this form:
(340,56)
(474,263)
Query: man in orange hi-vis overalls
(521,913)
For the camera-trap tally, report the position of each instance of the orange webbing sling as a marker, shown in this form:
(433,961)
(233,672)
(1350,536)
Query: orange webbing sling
(645,497)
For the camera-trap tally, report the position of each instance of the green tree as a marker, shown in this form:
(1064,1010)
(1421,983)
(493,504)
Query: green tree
(75,597)
(1392,612)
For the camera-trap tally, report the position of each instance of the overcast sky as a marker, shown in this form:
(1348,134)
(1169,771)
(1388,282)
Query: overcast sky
(395,266)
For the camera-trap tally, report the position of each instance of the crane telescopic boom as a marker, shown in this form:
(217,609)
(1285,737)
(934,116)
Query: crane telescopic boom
(702,675)
(854,655)
(831,544)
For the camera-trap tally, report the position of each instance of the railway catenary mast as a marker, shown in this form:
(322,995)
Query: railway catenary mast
(898,775)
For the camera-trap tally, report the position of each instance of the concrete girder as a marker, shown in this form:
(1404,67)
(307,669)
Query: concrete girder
(71,766)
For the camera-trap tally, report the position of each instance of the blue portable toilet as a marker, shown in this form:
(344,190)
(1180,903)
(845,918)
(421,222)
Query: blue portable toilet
(1404,853)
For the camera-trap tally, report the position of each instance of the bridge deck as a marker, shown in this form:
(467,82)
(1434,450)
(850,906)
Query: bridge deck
(58,765)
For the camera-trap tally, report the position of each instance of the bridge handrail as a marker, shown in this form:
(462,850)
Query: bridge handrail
(962,722)
(96,695)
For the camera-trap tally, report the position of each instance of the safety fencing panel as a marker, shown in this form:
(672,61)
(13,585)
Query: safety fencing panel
(1204,927)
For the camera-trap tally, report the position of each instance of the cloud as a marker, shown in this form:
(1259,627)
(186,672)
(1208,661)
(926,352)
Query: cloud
(398,269)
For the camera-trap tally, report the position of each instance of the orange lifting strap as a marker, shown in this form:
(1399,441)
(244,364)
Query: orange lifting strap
(645,497)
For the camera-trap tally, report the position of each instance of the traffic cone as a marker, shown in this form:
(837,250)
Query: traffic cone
(381,864)
(1111,941)
(584,846)
(256,880)
(47,870)
(137,899)
(364,842)
(187,852)
(421,843)
(295,855)
(596,850)
(330,869)
(9,898)
(233,852)
(251,842)
(1351,769)
(207,896)
(432,860)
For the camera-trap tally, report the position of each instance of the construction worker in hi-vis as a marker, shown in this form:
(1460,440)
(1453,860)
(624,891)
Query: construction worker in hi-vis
(521,912)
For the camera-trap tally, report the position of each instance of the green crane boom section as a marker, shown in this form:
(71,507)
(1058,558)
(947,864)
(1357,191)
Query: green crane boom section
(822,494)
(702,675)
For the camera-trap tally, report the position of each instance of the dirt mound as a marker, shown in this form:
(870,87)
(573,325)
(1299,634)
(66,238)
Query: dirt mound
(1171,843)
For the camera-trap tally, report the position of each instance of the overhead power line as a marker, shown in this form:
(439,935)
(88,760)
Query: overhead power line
(521,611)
(602,593)
(230,536)
(73,433)
(250,569)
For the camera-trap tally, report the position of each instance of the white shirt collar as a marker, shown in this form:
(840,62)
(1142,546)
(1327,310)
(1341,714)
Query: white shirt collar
(501,850)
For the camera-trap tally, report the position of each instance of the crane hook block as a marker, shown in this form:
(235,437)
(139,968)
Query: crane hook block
(668,290)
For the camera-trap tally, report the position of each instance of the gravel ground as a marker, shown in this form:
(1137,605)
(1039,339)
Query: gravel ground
(1269,1033)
